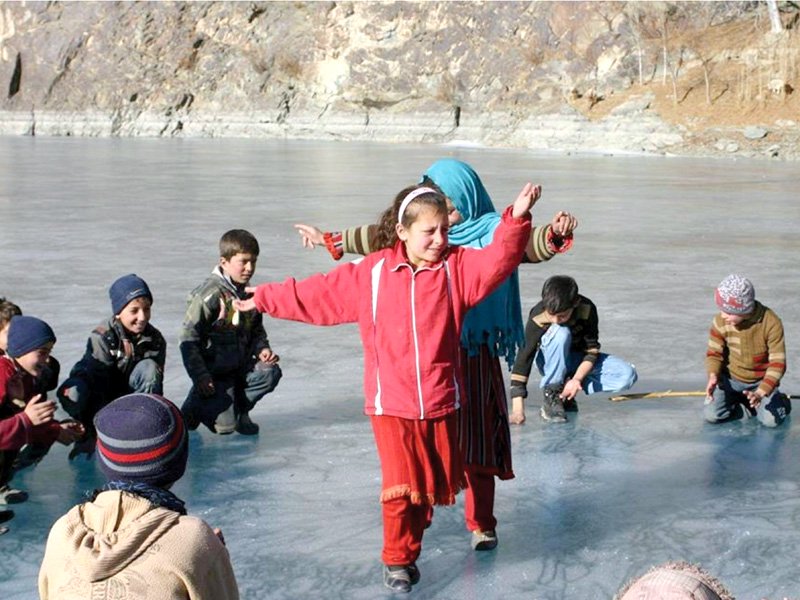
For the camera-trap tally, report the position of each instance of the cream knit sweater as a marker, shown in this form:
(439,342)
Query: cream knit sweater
(121,546)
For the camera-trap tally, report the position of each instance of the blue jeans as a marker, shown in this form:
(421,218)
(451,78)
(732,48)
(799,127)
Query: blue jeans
(728,403)
(556,363)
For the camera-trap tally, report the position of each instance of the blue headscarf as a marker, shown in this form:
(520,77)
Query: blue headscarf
(497,320)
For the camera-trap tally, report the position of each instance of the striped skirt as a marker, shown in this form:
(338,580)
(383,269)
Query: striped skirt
(483,431)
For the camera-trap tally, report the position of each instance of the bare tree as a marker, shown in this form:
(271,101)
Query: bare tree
(774,16)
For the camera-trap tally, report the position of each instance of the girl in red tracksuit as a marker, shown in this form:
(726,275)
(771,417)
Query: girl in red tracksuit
(409,300)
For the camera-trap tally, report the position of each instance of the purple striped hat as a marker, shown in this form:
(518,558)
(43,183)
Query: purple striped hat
(141,438)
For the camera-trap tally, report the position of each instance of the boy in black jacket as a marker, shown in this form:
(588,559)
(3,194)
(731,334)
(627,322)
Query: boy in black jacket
(124,354)
(561,335)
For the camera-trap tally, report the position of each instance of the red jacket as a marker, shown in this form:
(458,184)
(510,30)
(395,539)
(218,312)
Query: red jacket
(410,321)
(16,429)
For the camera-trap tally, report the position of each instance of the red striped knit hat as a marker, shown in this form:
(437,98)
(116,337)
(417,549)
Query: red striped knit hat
(735,295)
(141,438)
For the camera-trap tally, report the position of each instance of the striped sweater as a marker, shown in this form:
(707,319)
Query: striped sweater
(542,245)
(751,351)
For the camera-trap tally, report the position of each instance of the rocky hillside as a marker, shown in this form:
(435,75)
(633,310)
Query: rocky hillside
(682,78)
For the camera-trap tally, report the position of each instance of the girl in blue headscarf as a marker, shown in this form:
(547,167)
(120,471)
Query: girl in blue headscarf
(491,330)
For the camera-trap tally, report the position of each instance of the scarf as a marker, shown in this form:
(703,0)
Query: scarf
(154,495)
(497,320)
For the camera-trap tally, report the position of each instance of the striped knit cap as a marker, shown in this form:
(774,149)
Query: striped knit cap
(141,438)
(735,295)
(675,581)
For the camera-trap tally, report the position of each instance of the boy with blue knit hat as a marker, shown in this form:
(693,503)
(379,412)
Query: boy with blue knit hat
(745,358)
(26,417)
(145,545)
(30,454)
(124,354)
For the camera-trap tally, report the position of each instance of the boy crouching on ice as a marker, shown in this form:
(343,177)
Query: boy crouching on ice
(124,354)
(746,358)
(25,416)
(561,335)
(226,352)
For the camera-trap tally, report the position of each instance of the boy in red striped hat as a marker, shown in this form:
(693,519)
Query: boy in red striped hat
(745,359)
(134,536)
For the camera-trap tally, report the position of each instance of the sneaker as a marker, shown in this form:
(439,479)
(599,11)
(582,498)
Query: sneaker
(9,495)
(552,405)
(570,405)
(484,540)
(397,578)
(6,515)
(245,425)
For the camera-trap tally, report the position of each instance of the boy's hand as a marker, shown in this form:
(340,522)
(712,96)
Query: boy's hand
(711,385)
(205,387)
(39,410)
(571,389)
(246,305)
(311,235)
(517,416)
(268,356)
(753,397)
(71,431)
(526,199)
(563,224)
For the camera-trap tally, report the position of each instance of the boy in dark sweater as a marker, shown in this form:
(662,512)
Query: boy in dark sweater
(745,359)
(561,336)
(124,354)
(226,352)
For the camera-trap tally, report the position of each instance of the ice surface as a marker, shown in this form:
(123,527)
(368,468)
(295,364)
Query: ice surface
(595,502)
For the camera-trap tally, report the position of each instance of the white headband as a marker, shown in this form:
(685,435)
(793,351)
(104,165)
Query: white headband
(407,200)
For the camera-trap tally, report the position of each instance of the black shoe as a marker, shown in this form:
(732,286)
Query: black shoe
(397,578)
(245,425)
(552,405)
(192,422)
(413,573)
(570,405)
(6,515)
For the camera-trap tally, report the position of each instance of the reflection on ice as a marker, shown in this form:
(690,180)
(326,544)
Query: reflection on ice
(595,502)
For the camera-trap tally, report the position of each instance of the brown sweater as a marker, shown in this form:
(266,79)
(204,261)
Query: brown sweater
(122,546)
(751,351)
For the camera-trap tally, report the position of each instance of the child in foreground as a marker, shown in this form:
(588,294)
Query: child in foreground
(124,354)
(226,353)
(745,359)
(561,336)
(409,300)
(133,538)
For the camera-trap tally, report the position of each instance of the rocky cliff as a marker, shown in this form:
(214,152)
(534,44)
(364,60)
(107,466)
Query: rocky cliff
(683,78)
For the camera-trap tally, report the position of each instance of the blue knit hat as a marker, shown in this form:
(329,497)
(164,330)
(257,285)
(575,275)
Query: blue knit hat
(26,334)
(125,289)
(141,438)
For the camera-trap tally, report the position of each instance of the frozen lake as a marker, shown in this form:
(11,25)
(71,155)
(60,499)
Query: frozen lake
(595,502)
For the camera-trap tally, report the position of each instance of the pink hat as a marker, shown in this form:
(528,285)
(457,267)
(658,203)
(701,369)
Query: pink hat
(675,581)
